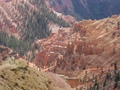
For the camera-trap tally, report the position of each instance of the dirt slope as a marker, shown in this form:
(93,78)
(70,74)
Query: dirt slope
(19,76)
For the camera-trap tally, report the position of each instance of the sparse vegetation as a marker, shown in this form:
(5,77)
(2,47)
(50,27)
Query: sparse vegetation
(18,80)
(32,24)
(18,45)
(110,81)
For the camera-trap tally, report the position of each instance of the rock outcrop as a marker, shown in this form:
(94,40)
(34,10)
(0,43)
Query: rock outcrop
(6,52)
(87,44)
(87,50)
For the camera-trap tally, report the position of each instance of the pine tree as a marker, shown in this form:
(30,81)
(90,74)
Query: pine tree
(115,65)
(104,84)
(118,24)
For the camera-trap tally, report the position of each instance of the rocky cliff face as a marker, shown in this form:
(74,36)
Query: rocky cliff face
(86,9)
(90,46)
(87,44)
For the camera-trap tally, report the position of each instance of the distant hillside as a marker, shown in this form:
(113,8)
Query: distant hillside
(87,9)
(27,20)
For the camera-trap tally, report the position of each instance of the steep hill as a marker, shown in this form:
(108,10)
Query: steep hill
(89,43)
(17,74)
(23,15)
(26,21)
(86,9)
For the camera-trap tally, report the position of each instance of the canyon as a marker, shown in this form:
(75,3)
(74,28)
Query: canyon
(89,46)
(89,41)
(44,49)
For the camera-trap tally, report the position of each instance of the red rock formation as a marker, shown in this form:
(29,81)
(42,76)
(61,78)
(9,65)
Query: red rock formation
(82,52)
(87,44)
